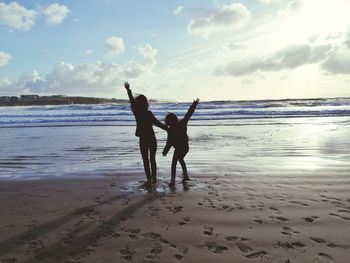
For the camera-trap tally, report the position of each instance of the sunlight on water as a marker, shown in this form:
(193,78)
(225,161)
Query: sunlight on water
(218,144)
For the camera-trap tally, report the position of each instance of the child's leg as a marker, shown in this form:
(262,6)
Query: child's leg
(153,150)
(144,153)
(173,168)
(183,164)
(184,170)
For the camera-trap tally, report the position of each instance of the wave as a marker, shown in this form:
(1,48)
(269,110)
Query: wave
(120,114)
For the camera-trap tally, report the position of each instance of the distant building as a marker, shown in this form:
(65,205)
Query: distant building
(13,99)
(29,97)
(5,99)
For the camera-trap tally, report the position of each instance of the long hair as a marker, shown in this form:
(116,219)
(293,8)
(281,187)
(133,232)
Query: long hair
(171,119)
(141,103)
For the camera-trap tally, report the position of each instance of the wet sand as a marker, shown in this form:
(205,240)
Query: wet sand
(216,217)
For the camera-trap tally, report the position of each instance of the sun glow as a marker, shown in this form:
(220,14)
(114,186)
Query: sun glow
(317,18)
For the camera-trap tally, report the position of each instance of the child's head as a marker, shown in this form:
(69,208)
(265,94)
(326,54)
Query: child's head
(141,102)
(171,119)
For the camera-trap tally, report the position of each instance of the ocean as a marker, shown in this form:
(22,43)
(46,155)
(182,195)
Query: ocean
(266,136)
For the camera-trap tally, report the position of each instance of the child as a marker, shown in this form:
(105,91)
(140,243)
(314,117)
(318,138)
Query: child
(148,142)
(177,137)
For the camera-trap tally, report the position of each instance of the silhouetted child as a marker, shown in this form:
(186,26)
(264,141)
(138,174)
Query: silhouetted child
(177,137)
(148,142)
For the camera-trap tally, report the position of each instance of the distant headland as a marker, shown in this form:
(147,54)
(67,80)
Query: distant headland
(29,100)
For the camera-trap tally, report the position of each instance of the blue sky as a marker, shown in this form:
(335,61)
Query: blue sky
(257,49)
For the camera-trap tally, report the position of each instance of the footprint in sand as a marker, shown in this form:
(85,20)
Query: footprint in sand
(127,253)
(175,209)
(298,203)
(318,240)
(244,248)
(181,253)
(275,210)
(231,238)
(292,245)
(215,248)
(279,218)
(340,216)
(258,254)
(289,231)
(234,238)
(326,257)
(157,249)
(344,211)
(257,220)
(185,221)
(208,230)
(132,232)
(310,219)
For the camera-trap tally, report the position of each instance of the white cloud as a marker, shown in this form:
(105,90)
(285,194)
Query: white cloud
(207,21)
(55,13)
(269,2)
(290,57)
(149,53)
(4,58)
(17,16)
(178,10)
(88,52)
(115,46)
(65,78)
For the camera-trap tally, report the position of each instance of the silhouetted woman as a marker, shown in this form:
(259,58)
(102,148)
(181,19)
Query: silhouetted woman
(148,142)
(177,137)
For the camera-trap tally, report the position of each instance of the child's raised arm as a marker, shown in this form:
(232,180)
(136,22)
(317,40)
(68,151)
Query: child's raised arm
(191,110)
(127,87)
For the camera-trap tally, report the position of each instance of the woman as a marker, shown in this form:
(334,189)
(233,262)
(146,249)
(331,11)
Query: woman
(144,130)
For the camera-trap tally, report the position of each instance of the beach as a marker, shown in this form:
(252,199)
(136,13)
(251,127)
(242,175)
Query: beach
(262,190)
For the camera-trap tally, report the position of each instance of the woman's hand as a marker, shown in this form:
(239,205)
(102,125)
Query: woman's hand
(126,85)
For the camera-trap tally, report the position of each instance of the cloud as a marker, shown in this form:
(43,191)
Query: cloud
(207,21)
(80,79)
(4,58)
(290,57)
(338,63)
(178,10)
(17,16)
(269,2)
(115,46)
(55,13)
(88,52)
(149,53)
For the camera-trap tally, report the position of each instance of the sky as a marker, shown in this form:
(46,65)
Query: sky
(176,50)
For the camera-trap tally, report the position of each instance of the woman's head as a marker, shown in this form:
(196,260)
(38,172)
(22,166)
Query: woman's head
(171,119)
(141,103)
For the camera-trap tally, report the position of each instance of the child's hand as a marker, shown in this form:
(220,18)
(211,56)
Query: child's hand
(126,85)
(164,153)
(197,100)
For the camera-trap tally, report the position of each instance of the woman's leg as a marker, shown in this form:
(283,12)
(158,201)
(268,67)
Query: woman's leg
(144,152)
(153,150)
(173,168)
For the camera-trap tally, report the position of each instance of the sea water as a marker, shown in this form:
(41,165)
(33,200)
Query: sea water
(270,137)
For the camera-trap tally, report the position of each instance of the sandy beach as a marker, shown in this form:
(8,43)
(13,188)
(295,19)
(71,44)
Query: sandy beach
(215,218)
